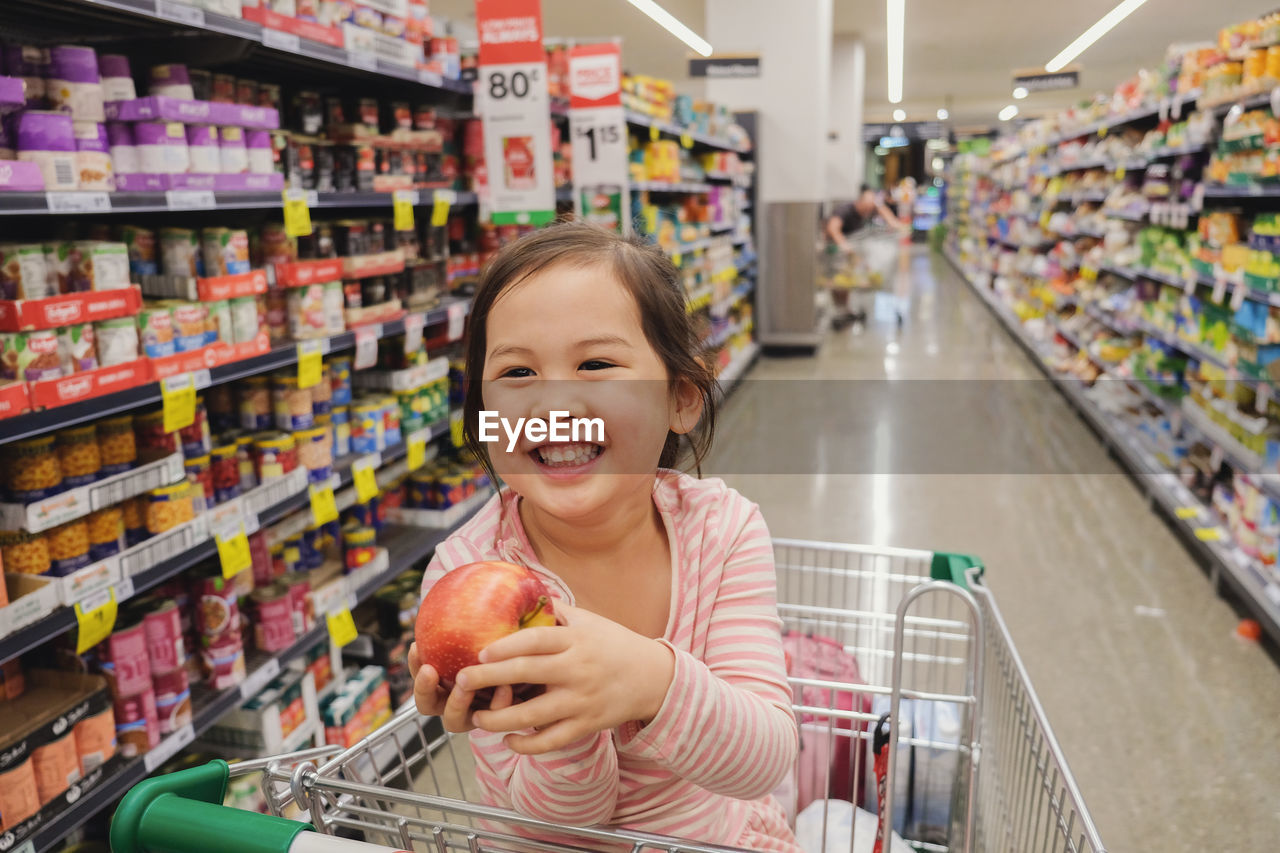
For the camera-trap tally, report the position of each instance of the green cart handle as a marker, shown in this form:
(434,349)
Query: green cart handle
(182,812)
(950,566)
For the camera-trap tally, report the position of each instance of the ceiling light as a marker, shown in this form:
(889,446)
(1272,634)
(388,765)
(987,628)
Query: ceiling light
(943,115)
(895,31)
(1097,31)
(1020,93)
(1008,112)
(672,25)
(899,115)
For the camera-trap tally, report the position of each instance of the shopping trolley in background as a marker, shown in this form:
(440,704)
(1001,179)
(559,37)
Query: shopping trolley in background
(853,277)
(974,766)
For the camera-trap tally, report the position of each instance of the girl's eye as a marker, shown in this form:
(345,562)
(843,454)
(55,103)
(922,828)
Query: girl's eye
(595,364)
(517,373)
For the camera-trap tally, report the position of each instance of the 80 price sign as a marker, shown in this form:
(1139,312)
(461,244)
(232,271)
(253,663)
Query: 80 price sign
(504,84)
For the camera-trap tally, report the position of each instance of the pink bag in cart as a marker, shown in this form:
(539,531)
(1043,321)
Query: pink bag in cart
(827,744)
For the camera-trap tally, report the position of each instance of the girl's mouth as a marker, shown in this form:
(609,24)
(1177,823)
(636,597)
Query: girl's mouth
(565,458)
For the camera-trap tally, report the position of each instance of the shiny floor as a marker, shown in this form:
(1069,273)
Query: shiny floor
(1170,722)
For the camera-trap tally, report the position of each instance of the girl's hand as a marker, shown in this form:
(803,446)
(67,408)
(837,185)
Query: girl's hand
(598,675)
(453,707)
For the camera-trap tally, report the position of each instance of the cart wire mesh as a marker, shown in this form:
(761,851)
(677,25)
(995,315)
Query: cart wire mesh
(974,765)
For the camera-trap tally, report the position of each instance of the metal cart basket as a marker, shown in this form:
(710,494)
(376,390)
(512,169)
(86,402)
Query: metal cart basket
(853,277)
(973,767)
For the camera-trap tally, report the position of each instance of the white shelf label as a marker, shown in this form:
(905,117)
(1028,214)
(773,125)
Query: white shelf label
(413,333)
(1219,289)
(78,202)
(411,196)
(362,59)
(190,199)
(183,13)
(169,747)
(202,378)
(430,78)
(1237,297)
(457,320)
(366,349)
(280,40)
(259,679)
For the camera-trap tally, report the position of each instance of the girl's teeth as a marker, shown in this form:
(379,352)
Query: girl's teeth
(566,455)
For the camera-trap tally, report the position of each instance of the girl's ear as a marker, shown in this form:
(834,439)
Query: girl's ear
(686,407)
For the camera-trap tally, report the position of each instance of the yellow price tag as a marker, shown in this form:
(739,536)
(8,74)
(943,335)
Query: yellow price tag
(686,141)
(653,133)
(342,628)
(440,204)
(677,258)
(1119,173)
(310,366)
(1185,512)
(1102,132)
(297,216)
(179,396)
(651,218)
(233,553)
(365,475)
(96,623)
(324,508)
(418,451)
(402,210)
(455,430)
(1208,534)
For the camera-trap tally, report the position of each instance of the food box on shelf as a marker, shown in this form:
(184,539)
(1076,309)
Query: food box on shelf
(331,36)
(47,393)
(279,719)
(246,182)
(31,598)
(303,273)
(54,706)
(12,94)
(68,309)
(160,108)
(82,500)
(211,356)
(212,289)
(383,312)
(409,379)
(14,399)
(20,176)
(379,263)
(88,582)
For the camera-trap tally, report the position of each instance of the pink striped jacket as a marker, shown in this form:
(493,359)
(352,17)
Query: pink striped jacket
(703,769)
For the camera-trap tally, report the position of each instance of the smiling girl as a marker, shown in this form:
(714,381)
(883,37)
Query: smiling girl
(666,705)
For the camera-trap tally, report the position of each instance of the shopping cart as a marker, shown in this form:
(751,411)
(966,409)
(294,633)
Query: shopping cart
(974,766)
(854,276)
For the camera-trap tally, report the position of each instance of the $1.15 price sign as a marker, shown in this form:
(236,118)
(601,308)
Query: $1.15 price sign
(598,133)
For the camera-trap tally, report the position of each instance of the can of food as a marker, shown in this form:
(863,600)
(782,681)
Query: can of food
(137,724)
(275,455)
(225,251)
(225,472)
(180,252)
(217,612)
(106,532)
(315,453)
(79,456)
(390,421)
(322,394)
(124,660)
(169,506)
(244,319)
(255,403)
(367,428)
(95,737)
(149,433)
(173,700)
(359,546)
(218,327)
(25,553)
(23,272)
(68,547)
(200,474)
(299,586)
(165,646)
(292,556)
(245,464)
(273,618)
(135,521)
(141,246)
(155,331)
(292,405)
(341,431)
(30,356)
(57,767)
(276,315)
(222,661)
(220,402)
(195,437)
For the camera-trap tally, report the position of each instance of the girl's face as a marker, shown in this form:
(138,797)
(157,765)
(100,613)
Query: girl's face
(569,339)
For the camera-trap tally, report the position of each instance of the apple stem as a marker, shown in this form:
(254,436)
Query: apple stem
(533,614)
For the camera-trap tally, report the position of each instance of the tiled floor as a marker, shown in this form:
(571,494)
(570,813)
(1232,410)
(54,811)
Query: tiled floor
(1170,722)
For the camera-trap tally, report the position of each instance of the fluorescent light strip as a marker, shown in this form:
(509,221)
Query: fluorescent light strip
(1008,112)
(1097,31)
(895,32)
(672,25)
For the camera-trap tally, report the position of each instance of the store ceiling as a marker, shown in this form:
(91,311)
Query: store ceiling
(960,55)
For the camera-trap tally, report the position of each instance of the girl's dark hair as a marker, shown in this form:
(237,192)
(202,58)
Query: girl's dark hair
(652,280)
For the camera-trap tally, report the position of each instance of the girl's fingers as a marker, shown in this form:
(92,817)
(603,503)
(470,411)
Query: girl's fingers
(426,692)
(413,657)
(555,736)
(535,669)
(503,696)
(530,641)
(540,711)
(457,710)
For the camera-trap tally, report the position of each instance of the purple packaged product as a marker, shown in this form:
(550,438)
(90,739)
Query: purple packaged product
(114,65)
(171,81)
(202,144)
(90,136)
(261,153)
(73,63)
(117,79)
(124,154)
(32,65)
(41,130)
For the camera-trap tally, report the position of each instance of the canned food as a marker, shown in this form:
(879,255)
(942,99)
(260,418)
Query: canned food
(68,547)
(32,470)
(95,737)
(368,429)
(340,381)
(225,472)
(57,767)
(24,553)
(106,532)
(341,431)
(315,452)
(391,421)
(275,455)
(79,456)
(155,331)
(137,723)
(116,445)
(149,433)
(135,520)
(322,394)
(200,474)
(244,462)
(220,402)
(217,611)
(359,546)
(222,662)
(255,403)
(165,646)
(173,700)
(299,586)
(124,660)
(195,437)
(169,506)
(273,627)
(292,404)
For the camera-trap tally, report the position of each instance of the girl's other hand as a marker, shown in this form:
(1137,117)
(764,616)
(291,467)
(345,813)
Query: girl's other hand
(452,706)
(598,675)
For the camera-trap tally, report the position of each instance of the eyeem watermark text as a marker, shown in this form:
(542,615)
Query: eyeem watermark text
(560,427)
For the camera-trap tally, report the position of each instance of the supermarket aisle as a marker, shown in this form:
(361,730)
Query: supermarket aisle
(1167,719)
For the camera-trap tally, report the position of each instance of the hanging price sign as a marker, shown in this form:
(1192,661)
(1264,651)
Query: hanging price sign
(402,202)
(310,364)
(233,551)
(297,215)
(598,133)
(440,204)
(178,393)
(342,628)
(95,619)
(324,507)
(511,99)
(364,473)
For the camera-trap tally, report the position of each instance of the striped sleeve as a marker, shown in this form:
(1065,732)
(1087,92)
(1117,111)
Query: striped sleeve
(727,724)
(576,785)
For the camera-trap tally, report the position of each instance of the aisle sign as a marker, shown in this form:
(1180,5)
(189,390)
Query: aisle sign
(598,133)
(511,99)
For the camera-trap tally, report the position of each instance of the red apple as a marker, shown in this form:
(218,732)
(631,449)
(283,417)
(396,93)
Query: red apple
(470,608)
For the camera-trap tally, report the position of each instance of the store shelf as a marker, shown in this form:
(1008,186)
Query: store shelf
(636,119)
(1140,114)
(48,420)
(1199,531)
(77,204)
(668,187)
(279,46)
(737,367)
(1235,192)
(1126,215)
(406,546)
